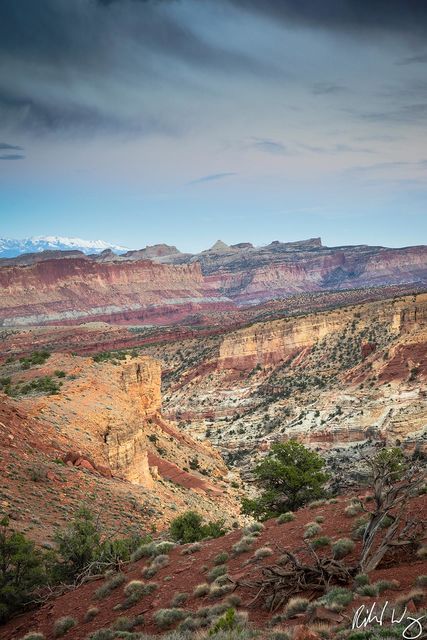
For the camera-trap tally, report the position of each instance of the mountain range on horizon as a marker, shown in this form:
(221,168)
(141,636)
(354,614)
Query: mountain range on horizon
(13,247)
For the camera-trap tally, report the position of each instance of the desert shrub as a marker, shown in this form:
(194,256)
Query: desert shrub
(37,357)
(387,585)
(63,625)
(353,509)
(78,545)
(22,569)
(189,527)
(234,600)
(342,548)
(162,548)
(201,590)
(220,590)
(361,579)
(421,581)
(359,528)
(227,622)
(123,623)
(336,598)
(285,517)
(194,547)
(319,519)
(317,503)
(311,529)
(290,476)
(217,571)
(416,595)
(220,558)
(143,551)
(294,606)
(263,552)
(102,634)
(179,599)
(254,527)
(34,635)
(109,586)
(90,614)
(322,541)
(368,590)
(243,545)
(165,618)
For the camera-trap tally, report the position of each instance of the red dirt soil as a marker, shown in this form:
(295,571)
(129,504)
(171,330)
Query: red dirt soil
(184,572)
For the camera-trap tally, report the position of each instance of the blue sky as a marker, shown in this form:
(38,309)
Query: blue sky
(187,121)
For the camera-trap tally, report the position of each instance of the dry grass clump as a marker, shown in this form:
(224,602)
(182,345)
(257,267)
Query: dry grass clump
(295,606)
(263,552)
(63,625)
(285,517)
(179,599)
(194,547)
(342,548)
(322,541)
(201,590)
(90,614)
(165,618)
(311,529)
(216,572)
(254,527)
(109,585)
(34,635)
(220,558)
(243,545)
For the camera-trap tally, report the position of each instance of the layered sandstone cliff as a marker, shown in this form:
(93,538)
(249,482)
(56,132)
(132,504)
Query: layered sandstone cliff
(161,285)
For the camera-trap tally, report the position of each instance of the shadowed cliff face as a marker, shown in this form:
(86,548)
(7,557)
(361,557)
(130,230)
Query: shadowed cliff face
(157,286)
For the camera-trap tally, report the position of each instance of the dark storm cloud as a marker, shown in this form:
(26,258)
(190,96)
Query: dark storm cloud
(397,16)
(212,177)
(67,62)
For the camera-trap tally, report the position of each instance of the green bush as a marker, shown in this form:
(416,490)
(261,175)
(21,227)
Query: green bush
(189,527)
(22,569)
(290,477)
(37,357)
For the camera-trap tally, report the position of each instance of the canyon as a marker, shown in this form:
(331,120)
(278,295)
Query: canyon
(160,285)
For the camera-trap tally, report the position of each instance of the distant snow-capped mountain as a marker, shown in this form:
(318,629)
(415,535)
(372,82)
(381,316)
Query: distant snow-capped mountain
(9,248)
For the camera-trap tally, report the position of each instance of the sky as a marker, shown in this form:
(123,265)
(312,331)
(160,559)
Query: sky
(186,121)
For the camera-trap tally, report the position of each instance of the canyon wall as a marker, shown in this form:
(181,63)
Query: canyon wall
(272,342)
(169,288)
